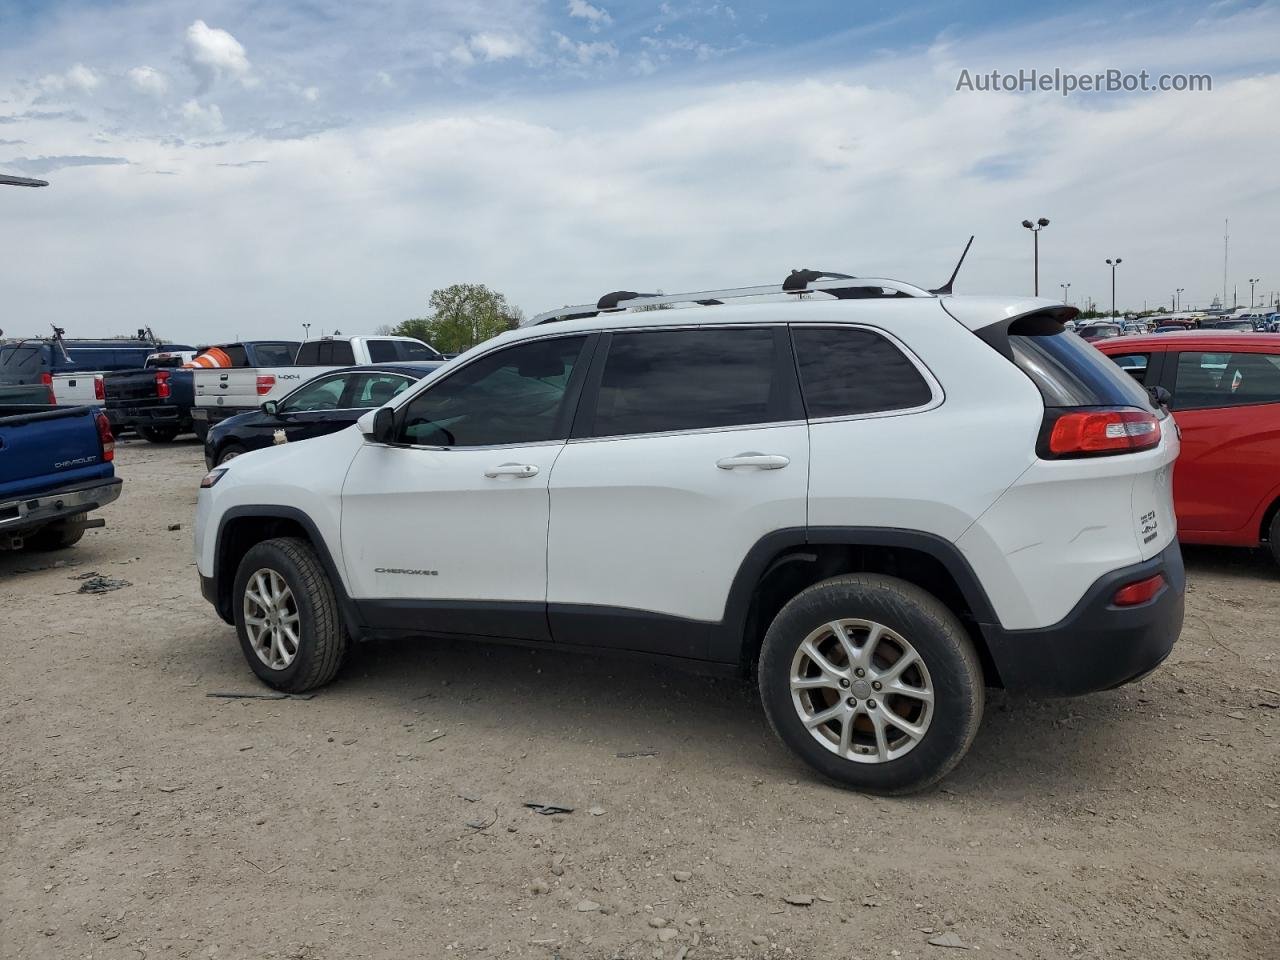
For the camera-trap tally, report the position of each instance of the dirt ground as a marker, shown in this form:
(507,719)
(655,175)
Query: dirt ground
(141,818)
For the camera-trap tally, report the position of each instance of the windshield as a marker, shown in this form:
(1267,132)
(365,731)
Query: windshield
(19,363)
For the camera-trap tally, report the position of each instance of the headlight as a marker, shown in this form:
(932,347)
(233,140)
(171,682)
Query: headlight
(212,477)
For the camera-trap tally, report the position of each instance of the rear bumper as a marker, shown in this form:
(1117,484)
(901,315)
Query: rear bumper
(147,416)
(1098,645)
(29,513)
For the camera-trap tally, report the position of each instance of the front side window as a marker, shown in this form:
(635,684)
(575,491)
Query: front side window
(846,371)
(382,351)
(1206,380)
(323,393)
(514,395)
(369,390)
(664,380)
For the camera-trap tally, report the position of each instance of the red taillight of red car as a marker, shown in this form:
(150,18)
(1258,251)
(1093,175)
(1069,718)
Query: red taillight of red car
(1089,433)
(163,390)
(99,389)
(106,438)
(47,380)
(265,385)
(1139,592)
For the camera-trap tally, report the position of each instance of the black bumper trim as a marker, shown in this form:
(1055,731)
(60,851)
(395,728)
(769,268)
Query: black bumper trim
(1097,646)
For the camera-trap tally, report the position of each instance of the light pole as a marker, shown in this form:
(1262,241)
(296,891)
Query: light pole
(306,331)
(1113,264)
(1035,229)
(1178,300)
(1066,292)
(1252,281)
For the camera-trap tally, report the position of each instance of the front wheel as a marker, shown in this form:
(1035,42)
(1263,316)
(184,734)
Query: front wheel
(165,434)
(287,616)
(873,682)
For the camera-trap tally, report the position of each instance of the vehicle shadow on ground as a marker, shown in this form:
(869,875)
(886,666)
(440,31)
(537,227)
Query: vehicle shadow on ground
(628,705)
(1230,562)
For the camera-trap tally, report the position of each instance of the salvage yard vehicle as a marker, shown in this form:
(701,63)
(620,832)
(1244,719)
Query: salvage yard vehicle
(327,403)
(156,400)
(875,499)
(257,377)
(55,467)
(1225,390)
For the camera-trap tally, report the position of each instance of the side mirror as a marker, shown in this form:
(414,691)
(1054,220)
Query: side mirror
(271,407)
(378,425)
(1160,395)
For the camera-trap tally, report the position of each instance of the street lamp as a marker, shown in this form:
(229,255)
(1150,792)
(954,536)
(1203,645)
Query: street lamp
(1066,292)
(1035,229)
(1113,264)
(1252,281)
(306,331)
(1178,299)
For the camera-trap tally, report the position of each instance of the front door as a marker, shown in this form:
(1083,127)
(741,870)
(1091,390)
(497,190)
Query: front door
(445,530)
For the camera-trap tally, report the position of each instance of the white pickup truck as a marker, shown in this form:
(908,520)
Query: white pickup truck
(223,392)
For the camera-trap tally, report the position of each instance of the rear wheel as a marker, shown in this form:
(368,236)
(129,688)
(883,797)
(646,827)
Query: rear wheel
(1274,536)
(57,536)
(873,682)
(287,616)
(163,434)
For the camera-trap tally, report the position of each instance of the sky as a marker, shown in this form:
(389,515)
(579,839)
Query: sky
(233,168)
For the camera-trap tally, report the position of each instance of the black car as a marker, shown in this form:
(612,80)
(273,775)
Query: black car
(324,404)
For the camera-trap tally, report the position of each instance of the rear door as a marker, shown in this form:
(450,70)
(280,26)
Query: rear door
(1227,404)
(689,447)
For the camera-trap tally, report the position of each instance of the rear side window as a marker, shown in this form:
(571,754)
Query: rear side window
(382,351)
(845,371)
(659,381)
(1206,380)
(1134,364)
(1071,373)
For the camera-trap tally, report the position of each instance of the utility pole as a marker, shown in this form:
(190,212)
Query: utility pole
(1226,240)
(1035,229)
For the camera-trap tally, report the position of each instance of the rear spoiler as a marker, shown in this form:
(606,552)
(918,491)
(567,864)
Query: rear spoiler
(1040,321)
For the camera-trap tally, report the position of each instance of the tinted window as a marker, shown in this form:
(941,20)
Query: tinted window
(687,380)
(27,361)
(412,350)
(103,358)
(341,353)
(322,393)
(1134,364)
(309,354)
(514,395)
(1225,380)
(846,371)
(1072,373)
(374,389)
(381,351)
(274,354)
(237,354)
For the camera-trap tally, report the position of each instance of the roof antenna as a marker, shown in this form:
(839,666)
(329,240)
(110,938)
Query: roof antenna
(945,289)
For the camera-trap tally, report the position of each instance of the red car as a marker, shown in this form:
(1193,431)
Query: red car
(1225,391)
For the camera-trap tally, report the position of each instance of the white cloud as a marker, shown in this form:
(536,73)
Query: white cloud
(498,46)
(206,119)
(149,80)
(586,53)
(311,94)
(214,53)
(79,78)
(596,17)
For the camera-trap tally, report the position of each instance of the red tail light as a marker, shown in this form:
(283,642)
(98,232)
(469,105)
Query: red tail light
(47,380)
(1140,592)
(1093,432)
(99,389)
(163,390)
(106,437)
(265,384)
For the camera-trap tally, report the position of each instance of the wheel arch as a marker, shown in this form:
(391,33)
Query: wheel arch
(782,564)
(243,527)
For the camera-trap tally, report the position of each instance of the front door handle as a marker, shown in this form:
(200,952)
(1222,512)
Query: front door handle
(525,470)
(761,461)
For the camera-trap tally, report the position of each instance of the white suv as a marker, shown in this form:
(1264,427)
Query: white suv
(875,499)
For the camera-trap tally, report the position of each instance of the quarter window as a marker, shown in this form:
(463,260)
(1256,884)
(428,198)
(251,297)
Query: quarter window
(515,395)
(1134,364)
(659,381)
(1207,380)
(845,371)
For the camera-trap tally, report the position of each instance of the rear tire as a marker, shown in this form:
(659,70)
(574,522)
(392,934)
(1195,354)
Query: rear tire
(56,536)
(286,615)
(902,675)
(1274,537)
(164,434)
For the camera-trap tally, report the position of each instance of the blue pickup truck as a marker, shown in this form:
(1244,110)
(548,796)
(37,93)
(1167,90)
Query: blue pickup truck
(55,467)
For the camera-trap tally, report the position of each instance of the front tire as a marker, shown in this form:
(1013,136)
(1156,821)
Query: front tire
(287,617)
(165,434)
(873,682)
(228,453)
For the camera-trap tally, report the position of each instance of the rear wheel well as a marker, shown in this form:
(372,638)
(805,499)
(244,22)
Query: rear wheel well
(794,569)
(238,536)
(1264,534)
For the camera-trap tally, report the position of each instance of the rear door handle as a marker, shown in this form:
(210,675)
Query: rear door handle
(761,461)
(525,470)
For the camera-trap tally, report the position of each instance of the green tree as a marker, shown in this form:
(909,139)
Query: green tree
(462,315)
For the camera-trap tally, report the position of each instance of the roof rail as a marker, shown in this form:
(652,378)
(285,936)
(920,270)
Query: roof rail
(837,286)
